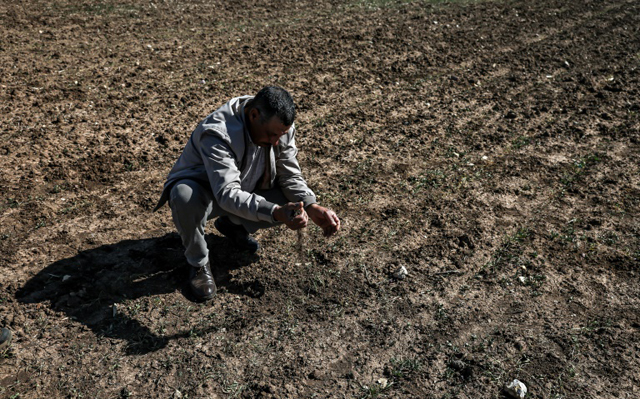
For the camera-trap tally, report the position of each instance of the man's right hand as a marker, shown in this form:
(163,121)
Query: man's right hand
(287,215)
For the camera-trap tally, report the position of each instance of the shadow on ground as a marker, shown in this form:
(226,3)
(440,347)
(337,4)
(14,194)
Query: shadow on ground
(88,286)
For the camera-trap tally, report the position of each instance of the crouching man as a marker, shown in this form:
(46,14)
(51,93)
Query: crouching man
(240,166)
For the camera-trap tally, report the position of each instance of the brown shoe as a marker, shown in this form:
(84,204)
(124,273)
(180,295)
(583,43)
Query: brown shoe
(201,282)
(5,338)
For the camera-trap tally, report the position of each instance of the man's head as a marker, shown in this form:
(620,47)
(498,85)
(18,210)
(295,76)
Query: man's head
(270,115)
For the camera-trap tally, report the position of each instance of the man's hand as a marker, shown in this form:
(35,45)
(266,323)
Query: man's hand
(325,218)
(292,215)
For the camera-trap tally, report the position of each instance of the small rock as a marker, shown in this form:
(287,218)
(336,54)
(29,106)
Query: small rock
(353,375)
(516,389)
(266,388)
(457,365)
(383,382)
(317,375)
(465,370)
(400,273)
(522,279)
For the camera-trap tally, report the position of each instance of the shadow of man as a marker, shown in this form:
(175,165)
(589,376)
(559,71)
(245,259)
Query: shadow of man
(89,286)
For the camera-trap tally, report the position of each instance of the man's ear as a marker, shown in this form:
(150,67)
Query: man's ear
(254,115)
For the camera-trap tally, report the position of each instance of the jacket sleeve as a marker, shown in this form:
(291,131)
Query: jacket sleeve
(289,175)
(224,178)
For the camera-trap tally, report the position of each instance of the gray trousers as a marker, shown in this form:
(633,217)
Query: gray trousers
(192,205)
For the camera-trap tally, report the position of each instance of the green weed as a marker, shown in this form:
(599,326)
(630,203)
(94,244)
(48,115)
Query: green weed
(403,367)
(520,142)
(375,390)
(431,178)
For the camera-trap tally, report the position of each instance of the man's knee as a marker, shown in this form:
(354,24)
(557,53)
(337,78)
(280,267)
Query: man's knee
(181,194)
(187,193)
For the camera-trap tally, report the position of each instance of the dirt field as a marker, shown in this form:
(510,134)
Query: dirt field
(490,147)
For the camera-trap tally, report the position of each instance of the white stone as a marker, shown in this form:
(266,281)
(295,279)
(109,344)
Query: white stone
(516,389)
(400,273)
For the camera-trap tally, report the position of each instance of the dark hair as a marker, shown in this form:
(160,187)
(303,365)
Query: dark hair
(274,100)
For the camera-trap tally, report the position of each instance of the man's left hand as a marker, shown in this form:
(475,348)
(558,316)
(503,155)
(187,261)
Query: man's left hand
(325,218)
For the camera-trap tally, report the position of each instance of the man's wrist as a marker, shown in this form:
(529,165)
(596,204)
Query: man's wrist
(311,205)
(273,213)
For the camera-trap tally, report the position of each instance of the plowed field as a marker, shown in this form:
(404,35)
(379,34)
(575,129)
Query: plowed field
(490,147)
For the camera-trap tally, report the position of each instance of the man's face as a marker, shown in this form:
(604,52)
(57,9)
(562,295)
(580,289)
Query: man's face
(265,133)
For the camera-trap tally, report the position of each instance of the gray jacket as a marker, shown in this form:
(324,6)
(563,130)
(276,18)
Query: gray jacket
(214,156)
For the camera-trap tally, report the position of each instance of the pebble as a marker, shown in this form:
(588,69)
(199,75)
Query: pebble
(519,344)
(457,365)
(400,273)
(317,375)
(516,390)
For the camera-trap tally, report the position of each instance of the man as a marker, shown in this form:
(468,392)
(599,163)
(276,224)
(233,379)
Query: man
(240,165)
